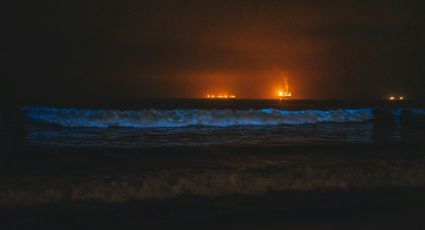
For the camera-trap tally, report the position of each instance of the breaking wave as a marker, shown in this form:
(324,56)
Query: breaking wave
(70,117)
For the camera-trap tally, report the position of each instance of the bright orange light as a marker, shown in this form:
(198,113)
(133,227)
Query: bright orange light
(280,94)
(394,98)
(284,93)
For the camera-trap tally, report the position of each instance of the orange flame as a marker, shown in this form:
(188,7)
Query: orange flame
(285,93)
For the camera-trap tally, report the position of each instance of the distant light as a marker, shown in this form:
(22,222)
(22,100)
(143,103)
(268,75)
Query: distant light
(280,94)
(221,96)
(284,93)
(395,98)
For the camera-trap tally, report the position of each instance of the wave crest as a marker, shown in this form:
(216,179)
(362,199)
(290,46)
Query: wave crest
(70,117)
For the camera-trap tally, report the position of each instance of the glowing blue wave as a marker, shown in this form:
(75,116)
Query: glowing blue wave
(180,118)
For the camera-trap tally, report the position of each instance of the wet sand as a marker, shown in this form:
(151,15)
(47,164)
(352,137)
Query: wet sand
(361,187)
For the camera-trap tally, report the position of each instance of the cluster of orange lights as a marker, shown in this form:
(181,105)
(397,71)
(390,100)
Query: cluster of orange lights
(282,93)
(393,98)
(221,96)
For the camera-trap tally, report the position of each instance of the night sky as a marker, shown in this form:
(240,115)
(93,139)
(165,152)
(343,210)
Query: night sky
(130,49)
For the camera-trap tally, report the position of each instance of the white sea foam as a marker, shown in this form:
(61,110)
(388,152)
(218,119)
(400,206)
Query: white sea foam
(70,117)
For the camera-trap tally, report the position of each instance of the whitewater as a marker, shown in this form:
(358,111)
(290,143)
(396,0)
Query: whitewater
(149,118)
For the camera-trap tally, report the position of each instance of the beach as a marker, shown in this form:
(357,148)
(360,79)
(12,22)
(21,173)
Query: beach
(314,166)
(321,188)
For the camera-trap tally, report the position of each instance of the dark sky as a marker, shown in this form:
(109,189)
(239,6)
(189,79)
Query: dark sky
(84,49)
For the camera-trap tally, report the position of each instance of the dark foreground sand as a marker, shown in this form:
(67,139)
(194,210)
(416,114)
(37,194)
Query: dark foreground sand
(363,187)
(354,209)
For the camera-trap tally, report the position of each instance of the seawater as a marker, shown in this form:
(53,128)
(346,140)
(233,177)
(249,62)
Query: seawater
(170,123)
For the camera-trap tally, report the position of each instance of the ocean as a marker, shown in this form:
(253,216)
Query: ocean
(260,164)
(214,123)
